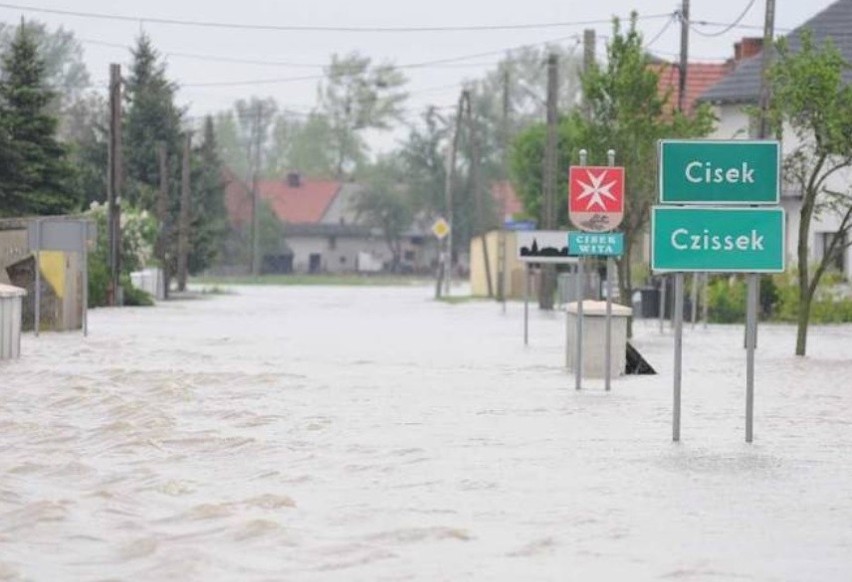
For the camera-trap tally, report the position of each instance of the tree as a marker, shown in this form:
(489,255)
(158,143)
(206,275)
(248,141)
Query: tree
(255,117)
(629,114)
(152,117)
(87,135)
(64,70)
(385,204)
(358,96)
(810,97)
(37,177)
(304,145)
(208,202)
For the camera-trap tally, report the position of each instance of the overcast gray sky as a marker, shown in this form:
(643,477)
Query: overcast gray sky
(432,85)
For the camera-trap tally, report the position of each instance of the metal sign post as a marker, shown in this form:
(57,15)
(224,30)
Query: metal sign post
(678,352)
(704,238)
(610,157)
(578,339)
(527,305)
(751,341)
(37,294)
(578,362)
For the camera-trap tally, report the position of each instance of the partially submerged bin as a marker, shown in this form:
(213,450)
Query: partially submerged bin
(10,321)
(594,338)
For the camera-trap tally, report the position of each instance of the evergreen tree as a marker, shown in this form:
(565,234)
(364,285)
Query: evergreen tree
(152,117)
(208,202)
(36,177)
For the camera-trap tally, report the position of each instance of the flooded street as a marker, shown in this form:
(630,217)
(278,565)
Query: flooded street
(339,433)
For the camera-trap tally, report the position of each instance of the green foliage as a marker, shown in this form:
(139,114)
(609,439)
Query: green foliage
(527,162)
(139,230)
(151,118)
(811,97)
(779,299)
(134,297)
(209,220)
(36,177)
(64,68)
(356,96)
(726,300)
(386,204)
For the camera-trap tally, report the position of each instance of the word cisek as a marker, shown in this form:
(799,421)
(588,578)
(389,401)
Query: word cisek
(705,173)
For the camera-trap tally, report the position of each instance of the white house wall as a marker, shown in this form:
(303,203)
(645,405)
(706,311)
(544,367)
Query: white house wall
(734,124)
(341,257)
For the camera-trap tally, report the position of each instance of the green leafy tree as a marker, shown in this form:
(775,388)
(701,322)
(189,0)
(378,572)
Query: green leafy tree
(301,144)
(357,96)
(37,177)
(385,203)
(812,100)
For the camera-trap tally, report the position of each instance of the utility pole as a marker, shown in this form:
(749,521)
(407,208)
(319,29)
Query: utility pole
(548,272)
(448,194)
(684,55)
(255,205)
(183,220)
(475,182)
(502,270)
(765,63)
(588,60)
(114,185)
(163,216)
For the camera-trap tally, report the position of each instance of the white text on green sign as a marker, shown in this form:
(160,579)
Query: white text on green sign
(729,240)
(609,244)
(719,172)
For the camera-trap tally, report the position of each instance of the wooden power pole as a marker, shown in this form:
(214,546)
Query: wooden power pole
(548,279)
(163,216)
(684,56)
(765,63)
(183,220)
(114,185)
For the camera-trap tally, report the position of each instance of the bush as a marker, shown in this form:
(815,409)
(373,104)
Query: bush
(779,300)
(139,230)
(827,305)
(726,300)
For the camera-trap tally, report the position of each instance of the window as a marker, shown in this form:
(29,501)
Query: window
(837,261)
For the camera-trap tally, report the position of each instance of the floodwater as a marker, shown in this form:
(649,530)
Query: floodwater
(374,434)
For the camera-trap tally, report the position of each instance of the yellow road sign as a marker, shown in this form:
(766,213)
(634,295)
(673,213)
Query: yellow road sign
(441,228)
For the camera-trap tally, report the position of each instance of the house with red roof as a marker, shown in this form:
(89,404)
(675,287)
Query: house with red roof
(322,230)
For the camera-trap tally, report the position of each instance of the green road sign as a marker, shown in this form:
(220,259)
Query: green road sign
(729,240)
(602,244)
(719,172)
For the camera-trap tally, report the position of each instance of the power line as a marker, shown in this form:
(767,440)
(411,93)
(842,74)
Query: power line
(662,30)
(734,24)
(310,28)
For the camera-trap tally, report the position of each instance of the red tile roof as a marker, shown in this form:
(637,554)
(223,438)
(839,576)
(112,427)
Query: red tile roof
(504,193)
(699,78)
(303,204)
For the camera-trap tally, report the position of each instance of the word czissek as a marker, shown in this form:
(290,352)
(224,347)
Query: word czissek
(683,240)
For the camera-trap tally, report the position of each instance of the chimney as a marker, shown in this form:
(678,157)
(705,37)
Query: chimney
(294,179)
(748,47)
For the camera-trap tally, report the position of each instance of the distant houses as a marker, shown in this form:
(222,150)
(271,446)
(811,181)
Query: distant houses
(322,232)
